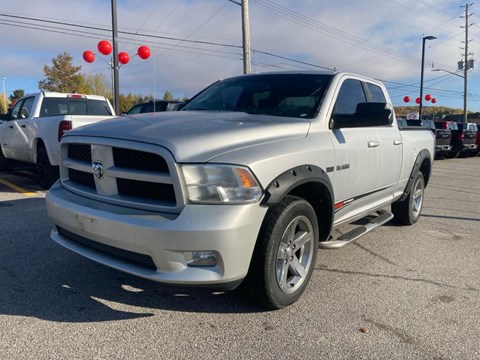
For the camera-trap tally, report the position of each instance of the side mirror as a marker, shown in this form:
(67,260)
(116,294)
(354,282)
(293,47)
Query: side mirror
(366,115)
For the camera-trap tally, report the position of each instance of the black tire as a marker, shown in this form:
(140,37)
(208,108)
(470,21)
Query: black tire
(5,164)
(407,212)
(285,253)
(451,154)
(47,174)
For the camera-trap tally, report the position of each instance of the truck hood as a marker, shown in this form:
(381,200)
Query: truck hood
(198,136)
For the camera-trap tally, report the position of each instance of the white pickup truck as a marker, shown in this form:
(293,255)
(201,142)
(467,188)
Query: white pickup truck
(33,128)
(243,185)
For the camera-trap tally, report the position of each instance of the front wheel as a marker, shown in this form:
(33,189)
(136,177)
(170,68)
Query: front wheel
(408,211)
(285,253)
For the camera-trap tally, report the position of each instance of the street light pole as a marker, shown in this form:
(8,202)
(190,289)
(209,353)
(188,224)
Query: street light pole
(425,38)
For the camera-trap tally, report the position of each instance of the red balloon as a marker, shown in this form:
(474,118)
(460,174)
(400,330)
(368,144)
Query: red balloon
(428,97)
(417,100)
(143,52)
(88,56)
(123,58)
(406,99)
(434,100)
(104,47)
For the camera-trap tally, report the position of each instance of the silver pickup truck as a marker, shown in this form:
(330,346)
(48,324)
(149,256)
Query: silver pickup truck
(243,185)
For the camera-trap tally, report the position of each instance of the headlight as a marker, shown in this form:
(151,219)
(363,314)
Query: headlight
(220,184)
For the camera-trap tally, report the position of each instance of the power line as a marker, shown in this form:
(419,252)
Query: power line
(356,41)
(68,31)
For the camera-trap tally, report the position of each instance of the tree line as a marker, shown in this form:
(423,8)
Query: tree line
(62,76)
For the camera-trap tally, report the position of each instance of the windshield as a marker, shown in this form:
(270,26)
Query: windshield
(292,95)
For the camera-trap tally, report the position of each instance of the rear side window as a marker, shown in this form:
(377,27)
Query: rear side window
(68,106)
(376,93)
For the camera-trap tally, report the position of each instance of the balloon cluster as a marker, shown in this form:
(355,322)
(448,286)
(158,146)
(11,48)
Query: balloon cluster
(105,48)
(428,97)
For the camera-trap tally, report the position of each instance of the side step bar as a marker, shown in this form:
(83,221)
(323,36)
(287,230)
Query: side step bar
(353,235)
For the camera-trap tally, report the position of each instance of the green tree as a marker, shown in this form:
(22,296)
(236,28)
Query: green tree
(17,94)
(96,85)
(167,95)
(62,76)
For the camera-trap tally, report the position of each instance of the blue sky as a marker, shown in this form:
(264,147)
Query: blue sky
(195,42)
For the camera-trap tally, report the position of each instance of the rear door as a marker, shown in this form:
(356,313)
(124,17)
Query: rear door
(390,145)
(359,174)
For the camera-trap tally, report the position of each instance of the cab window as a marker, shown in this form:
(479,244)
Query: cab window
(22,109)
(26,108)
(15,113)
(350,95)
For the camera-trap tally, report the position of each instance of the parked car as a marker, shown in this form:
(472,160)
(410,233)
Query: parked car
(154,106)
(462,141)
(442,138)
(475,127)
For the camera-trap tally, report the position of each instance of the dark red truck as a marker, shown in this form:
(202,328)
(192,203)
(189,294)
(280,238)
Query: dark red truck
(442,138)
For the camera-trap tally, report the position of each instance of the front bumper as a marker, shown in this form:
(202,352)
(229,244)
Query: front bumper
(443,148)
(122,234)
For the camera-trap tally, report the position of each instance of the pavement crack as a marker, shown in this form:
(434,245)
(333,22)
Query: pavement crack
(397,277)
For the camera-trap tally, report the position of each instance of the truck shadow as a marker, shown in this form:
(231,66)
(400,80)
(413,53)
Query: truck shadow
(39,278)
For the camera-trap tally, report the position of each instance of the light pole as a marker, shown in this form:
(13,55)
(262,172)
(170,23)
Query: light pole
(425,38)
(4,94)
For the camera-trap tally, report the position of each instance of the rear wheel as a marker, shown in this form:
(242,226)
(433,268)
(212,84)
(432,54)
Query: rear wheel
(47,174)
(408,211)
(4,162)
(285,253)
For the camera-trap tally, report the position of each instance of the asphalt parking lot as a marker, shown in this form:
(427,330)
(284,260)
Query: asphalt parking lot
(397,293)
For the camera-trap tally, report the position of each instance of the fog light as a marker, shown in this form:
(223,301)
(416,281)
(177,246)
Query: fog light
(201,258)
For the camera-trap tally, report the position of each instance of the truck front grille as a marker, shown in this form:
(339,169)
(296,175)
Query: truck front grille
(134,159)
(80,152)
(145,189)
(81,178)
(122,172)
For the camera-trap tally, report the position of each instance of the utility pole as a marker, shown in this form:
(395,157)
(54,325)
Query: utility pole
(246,37)
(466,66)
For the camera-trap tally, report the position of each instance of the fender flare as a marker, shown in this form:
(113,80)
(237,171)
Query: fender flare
(318,192)
(290,179)
(421,157)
